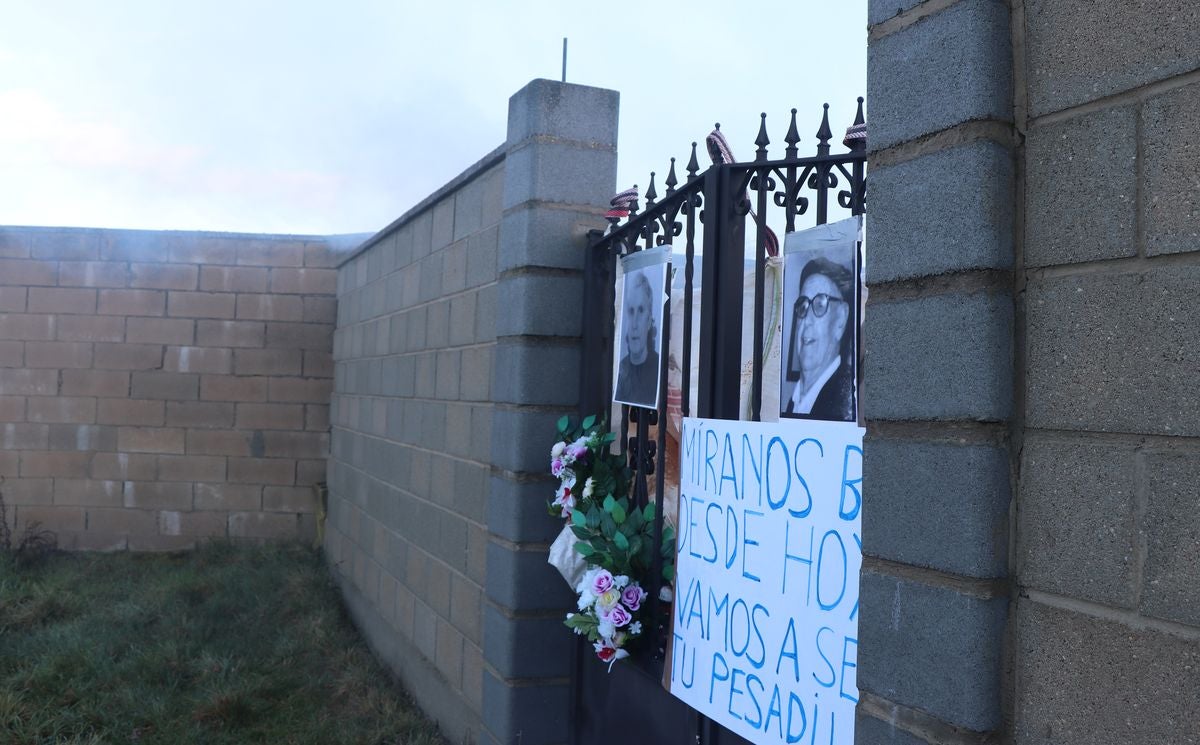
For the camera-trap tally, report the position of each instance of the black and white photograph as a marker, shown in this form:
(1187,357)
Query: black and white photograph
(820,323)
(637,371)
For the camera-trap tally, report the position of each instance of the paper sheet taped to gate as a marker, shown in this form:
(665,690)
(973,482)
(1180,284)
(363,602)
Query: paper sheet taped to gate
(766,598)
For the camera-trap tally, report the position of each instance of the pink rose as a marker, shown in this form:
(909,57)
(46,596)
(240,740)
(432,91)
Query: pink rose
(602,582)
(556,467)
(632,596)
(578,452)
(619,616)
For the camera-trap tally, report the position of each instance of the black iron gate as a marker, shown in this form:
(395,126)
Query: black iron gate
(713,208)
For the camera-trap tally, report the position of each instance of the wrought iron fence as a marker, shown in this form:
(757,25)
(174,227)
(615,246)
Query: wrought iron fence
(710,209)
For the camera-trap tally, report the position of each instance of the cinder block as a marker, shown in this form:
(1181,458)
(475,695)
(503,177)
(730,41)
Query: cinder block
(932,648)
(167,543)
(1076,532)
(580,113)
(296,444)
(198,360)
(233,279)
(160,330)
(448,657)
(130,411)
(61,409)
(267,362)
(1171,587)
(227,388)
(483,250)
(191,468)
(879,11)
(270,307)
(530,373)
(124,467)
(17,382)
(280,471)
(26,327)
(163,276)
(270,416)
(1107,352)
(228,497)
(230,333)
(522,580)
(558,172)
(519,711)
(1087,680)
(61,300)
(950,211)
(1075,54)
(90,328)
(27,272)
(39,491)
(12,299)
(198,524)
(12,409)
(507,642)
(57,519)
(319,309)
(73,245)
(199,414)
(150,440)
(271,253)
(300,390)
(306,281)
(516,510)
(88,493)
(1170,204)
(299,335)
(289,499)
(952,67)
(60,354)
(318,363)
(1067,219)
(82,437)
(158,495)
(15,243)
(477,373)
(940,357)
(128,356)
(131,245)
(12,354)
(164,385)
(519,437)
(94,383)
(263,525)
(956,491)
(466,608)
(201,304)
(122,521)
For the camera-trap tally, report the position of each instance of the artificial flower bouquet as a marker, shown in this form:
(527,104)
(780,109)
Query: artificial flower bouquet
(614,539)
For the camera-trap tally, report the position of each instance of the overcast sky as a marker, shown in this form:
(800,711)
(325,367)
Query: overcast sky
(322,117)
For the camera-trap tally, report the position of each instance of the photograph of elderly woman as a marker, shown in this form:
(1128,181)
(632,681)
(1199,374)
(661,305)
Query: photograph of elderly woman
(820,307)
(639,347)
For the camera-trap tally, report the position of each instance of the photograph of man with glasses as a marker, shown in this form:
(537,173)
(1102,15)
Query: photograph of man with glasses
(818,380)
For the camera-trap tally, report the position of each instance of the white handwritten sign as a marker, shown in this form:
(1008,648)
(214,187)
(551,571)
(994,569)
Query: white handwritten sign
(768,556)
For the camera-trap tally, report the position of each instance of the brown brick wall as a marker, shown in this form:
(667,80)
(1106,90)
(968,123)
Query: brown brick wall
(158,388)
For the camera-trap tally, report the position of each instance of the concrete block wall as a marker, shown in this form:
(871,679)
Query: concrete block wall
(1106,636)
(412,418)
(1030,534)
(158,388)
(457,348)
(938,387)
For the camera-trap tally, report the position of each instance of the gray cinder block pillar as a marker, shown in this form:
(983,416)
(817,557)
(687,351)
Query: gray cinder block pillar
(559,173)
(938,390)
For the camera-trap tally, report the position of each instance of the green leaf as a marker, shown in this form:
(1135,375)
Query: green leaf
(584,549)
(607,526)
(563,422)
(578,518)
(648,513)
(669,572)
(588,422)
(593,518)
(609,504)
(618,513)
(621,541)
(581,533)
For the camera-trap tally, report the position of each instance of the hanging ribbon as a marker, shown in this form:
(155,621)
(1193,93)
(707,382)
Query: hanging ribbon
(718,150)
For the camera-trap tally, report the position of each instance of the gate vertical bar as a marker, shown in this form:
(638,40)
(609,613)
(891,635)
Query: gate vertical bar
(721,287)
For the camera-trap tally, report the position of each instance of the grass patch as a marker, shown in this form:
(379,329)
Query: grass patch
(225,645)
